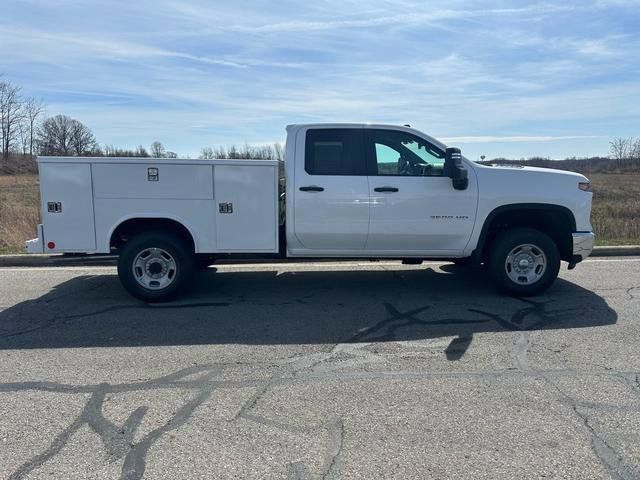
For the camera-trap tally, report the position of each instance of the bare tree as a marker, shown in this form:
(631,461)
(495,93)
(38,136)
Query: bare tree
(23,136)
(33,108)
(141,152)
(277,148)
(620,149)
(220,152)
(62,135)
(10,115)
(207,153)
(82,140)
(157,150)
(634,151)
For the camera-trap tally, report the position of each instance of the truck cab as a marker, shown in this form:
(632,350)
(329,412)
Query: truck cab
(350,191)
(374,191)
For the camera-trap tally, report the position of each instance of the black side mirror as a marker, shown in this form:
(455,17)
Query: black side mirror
(454,169)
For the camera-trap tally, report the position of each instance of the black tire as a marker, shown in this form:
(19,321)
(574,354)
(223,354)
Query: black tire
(511,239)
(171,244)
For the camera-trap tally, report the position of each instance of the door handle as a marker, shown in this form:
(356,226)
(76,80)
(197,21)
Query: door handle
(385,189)
(312,188)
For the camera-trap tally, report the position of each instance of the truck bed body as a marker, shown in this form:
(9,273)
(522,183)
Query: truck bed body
(227,206)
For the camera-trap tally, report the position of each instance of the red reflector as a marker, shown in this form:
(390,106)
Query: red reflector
(51,245)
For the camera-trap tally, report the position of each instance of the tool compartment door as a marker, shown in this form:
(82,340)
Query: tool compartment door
(246,203)
(67,207)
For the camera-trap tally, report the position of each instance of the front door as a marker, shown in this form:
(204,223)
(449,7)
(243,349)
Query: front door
(331,210)
(414,208)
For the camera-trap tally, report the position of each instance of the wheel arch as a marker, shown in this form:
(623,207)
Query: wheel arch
(557,221)
(128,227)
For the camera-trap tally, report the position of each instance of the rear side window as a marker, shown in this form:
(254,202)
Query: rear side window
(334,151)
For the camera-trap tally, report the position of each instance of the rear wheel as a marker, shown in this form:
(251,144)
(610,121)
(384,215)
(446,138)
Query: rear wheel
(155,266)
(524,261)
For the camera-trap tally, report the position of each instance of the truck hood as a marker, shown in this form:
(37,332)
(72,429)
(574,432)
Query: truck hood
(535,172)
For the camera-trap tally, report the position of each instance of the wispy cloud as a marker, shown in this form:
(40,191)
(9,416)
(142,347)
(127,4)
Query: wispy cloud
(549,78)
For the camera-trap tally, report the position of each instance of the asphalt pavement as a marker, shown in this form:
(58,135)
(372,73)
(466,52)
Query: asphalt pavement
(321,371)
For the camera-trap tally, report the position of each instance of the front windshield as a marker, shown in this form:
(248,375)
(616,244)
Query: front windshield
(426,154)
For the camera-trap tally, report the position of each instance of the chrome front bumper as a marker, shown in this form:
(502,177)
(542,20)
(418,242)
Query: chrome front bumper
(583,244)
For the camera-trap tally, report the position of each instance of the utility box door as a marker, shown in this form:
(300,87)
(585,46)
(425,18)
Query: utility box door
(67,206)
(246,207)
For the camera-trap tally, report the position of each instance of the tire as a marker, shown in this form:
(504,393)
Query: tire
(524,262)
(155,266)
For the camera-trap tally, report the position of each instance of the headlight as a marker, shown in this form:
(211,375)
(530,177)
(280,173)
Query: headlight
(585,186)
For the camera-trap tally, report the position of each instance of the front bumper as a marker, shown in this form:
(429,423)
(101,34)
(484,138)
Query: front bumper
(583,243)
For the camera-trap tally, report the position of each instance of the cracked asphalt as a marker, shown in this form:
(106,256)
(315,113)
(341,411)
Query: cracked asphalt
(321,371)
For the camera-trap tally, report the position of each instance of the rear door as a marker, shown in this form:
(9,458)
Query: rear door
(67,206)
(414,208)
(331,209)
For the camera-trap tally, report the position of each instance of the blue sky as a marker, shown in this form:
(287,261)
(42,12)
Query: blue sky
(497,78)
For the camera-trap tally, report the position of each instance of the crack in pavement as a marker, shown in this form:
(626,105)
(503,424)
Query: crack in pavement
(630,295)
(334,460)
(607,455)
(118,440)
(332,466)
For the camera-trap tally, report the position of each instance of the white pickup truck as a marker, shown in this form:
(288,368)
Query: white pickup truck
(350,191)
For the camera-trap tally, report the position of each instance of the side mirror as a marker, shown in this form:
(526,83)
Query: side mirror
(454,169)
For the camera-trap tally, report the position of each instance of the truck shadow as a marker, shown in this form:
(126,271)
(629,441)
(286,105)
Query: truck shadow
(304,307)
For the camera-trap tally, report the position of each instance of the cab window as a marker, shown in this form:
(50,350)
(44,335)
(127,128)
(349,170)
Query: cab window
(334,151)
(393,152)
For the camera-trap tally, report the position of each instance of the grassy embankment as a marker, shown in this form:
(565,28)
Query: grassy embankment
(615,216)
(19,211)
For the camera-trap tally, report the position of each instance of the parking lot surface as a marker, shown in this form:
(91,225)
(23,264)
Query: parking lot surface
(321,370)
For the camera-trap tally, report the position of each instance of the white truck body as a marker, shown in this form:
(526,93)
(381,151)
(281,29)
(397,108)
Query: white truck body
(99,194)
(352,190)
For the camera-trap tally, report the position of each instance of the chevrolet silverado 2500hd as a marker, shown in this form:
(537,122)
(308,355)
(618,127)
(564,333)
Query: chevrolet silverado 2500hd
(351,190)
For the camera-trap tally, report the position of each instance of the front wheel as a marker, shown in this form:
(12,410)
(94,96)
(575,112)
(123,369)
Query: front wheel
(155,266)
(524,261)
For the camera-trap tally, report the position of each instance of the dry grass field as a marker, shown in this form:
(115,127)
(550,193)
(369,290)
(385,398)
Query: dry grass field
(19,211)
(616,208)
(615,216)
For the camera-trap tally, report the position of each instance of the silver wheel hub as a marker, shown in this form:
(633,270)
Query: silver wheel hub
(525,264)
(154,268)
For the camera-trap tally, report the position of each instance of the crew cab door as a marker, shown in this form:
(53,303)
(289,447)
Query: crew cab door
(331,204)
(414,208)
